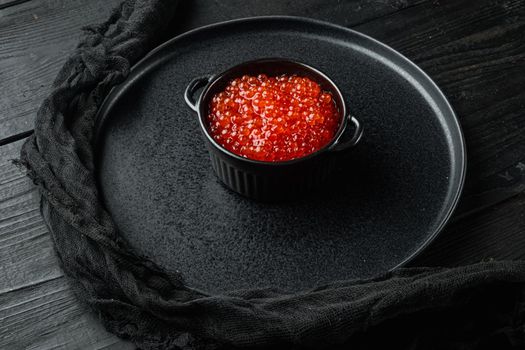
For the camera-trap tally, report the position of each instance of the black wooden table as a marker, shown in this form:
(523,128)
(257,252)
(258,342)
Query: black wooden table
(473,49)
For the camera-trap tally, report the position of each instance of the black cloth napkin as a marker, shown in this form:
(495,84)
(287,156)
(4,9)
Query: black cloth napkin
(472,307)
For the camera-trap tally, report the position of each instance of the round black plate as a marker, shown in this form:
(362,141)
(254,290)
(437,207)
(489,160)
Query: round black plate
(392,194)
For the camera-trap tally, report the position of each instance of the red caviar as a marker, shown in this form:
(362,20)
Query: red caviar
(273,118)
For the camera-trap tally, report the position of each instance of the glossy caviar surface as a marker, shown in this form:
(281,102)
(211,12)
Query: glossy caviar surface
(273,118)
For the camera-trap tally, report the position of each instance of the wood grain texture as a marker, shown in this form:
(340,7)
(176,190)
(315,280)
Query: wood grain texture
(494,233)
(36,38)
(8,3)
(37,307)
(342,12)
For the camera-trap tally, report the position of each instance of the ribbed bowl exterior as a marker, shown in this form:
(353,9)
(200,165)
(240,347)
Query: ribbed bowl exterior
(275,183)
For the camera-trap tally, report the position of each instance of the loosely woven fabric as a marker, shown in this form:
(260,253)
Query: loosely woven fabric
(480,306)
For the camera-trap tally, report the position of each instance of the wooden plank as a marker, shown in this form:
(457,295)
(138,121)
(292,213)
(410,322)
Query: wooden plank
(38,36)
(496,233)
(196,13)
(46,315)
(37,307)
(8,3)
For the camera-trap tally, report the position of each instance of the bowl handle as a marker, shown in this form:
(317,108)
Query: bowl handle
(192,87)
(344,145)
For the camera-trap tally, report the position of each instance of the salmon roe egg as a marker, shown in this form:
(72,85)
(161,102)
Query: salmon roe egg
(273,118)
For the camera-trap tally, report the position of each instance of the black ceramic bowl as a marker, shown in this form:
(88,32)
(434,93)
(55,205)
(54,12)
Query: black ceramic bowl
(271,181)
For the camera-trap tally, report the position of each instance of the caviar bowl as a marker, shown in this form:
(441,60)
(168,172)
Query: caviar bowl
(272,180)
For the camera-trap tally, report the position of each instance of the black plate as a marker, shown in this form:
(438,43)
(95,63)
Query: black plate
(392,194)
